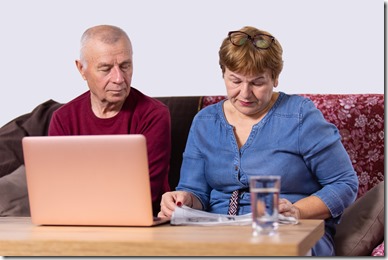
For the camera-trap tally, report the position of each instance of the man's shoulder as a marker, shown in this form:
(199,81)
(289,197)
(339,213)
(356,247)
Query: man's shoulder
(76,103)
(146,101)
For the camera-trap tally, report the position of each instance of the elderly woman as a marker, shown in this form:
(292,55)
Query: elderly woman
(257,131)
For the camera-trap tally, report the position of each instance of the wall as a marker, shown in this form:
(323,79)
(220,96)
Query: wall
(331,46)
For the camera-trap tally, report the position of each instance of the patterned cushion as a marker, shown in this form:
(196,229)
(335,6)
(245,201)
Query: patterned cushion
(379,250)
(360,120)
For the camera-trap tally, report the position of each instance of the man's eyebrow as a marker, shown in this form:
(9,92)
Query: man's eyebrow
(126,61)
(106,64)
(103,64)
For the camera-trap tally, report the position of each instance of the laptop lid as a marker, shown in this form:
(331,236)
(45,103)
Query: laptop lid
(98,180)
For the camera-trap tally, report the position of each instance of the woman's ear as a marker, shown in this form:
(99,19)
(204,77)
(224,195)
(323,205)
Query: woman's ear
(276,82)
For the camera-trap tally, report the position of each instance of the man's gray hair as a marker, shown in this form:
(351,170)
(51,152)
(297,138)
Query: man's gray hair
(108,34)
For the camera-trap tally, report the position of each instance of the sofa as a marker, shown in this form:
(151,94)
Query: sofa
(359,118)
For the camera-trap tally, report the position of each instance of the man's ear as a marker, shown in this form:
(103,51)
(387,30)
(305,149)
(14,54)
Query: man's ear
(80,68)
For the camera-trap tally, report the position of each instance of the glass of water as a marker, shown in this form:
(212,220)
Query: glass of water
(264,192)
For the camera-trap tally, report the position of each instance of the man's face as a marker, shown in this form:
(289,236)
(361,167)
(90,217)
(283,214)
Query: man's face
(108,70)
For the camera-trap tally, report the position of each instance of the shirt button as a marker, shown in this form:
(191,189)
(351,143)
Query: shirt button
(236,168)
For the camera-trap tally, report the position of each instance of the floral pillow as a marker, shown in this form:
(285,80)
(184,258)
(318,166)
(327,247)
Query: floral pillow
(360,120)
(379,250)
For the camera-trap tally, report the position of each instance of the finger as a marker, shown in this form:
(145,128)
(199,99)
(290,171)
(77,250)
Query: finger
(165,212)
(183,198)
(167,204)
(284,201)
(168,200)
(161,215)
(284,207)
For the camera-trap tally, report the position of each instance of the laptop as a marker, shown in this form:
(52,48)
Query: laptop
(89,180)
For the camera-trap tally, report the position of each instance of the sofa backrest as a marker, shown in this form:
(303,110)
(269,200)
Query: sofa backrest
(359,118)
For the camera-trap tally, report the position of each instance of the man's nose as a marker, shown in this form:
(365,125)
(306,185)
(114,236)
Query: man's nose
(117,74)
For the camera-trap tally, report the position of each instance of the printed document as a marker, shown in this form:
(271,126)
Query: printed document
(187,216)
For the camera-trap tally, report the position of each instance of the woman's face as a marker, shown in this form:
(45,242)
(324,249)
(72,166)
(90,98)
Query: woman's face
(249,95)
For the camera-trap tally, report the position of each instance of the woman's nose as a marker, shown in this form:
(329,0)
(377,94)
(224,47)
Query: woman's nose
(245,90)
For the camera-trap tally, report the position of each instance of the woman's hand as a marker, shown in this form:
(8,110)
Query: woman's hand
(175,198)
(310,207)
(288,209)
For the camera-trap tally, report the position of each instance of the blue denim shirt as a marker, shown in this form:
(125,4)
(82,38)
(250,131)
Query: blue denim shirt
(293,140)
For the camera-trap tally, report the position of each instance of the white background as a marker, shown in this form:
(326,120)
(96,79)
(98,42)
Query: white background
(331,46)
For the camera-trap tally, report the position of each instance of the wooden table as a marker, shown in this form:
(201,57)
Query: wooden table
(18,237)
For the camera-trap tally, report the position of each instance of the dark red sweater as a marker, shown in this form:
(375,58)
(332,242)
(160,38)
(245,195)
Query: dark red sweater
(140,114)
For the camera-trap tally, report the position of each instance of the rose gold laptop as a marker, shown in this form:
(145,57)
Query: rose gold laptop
(99,180)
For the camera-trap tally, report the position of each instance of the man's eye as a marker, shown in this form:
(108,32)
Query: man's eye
(236,82)
(125,67)
(104,69)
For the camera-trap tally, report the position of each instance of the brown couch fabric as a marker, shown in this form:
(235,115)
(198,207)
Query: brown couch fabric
(11,134)
(182,111)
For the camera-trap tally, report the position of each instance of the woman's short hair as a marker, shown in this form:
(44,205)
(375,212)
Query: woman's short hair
(247,59)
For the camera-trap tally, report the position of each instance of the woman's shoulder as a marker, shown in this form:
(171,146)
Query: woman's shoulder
(211,110)
(293,98)
(211,113)
(293,102)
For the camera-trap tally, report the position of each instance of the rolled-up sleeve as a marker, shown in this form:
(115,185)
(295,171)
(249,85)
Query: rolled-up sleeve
(322,149)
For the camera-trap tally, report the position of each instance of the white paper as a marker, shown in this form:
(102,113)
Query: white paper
(187,216)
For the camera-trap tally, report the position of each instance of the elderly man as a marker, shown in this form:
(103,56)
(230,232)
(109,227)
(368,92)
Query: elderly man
(113,106)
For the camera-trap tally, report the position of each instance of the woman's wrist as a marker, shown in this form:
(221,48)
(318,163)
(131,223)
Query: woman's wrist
(195,203)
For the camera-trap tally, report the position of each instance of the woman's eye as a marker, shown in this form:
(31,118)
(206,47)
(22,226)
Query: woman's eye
(258,83)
